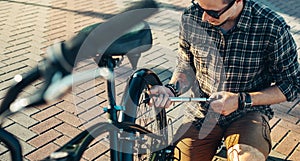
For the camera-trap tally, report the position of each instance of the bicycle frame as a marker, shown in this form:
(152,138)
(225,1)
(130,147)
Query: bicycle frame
(74,149)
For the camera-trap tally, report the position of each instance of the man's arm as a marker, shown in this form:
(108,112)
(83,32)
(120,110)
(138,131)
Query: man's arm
(284,65)
(269,96)
(227,102)
(182,82)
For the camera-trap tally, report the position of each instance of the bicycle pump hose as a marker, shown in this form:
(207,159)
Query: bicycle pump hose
(90,42)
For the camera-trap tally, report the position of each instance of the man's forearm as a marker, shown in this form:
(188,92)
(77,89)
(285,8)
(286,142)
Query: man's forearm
(268,96)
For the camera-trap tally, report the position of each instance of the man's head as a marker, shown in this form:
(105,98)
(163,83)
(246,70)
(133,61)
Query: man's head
(217,12)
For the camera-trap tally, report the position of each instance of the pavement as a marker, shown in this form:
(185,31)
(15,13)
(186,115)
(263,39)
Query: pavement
(28,27)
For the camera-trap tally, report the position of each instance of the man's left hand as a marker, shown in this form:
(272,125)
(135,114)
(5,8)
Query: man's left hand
(224,102)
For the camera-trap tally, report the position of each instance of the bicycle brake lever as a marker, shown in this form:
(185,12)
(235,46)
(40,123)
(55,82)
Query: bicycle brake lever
(48,70)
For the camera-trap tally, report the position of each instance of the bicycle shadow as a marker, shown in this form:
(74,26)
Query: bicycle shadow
(90,13)
(277,6)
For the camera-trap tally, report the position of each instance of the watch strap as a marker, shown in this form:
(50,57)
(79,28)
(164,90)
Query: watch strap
(174,89)
(248,100)
(244,100)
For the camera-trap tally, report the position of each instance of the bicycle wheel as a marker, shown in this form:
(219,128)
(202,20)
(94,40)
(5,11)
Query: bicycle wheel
(137,146)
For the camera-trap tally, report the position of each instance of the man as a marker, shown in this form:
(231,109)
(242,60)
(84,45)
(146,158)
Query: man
(244,59)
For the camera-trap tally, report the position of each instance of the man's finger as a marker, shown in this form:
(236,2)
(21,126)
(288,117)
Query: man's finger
(159,100)
(164,101)
(217,106)
(154,90)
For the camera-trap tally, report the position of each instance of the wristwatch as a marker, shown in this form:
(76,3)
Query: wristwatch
(245,100)
(174,89)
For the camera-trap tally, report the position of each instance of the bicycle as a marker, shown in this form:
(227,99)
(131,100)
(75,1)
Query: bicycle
(123,126)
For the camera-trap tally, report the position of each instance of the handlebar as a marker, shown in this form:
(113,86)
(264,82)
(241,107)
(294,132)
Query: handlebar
(58,65)
(21,83)
(61,58)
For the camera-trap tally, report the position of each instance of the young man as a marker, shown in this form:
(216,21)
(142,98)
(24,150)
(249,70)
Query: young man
(244,59)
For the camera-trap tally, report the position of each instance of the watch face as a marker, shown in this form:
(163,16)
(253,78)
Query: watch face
(247,104)
(248,101)
(173,88)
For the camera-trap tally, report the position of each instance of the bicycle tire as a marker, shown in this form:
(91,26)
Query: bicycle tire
(137,111)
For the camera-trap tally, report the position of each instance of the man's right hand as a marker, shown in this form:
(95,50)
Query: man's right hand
(160,96)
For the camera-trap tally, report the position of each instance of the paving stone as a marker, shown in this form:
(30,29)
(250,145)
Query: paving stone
(47,113)
(94,121)
(5,85)
(67,106)
(23,119)
(274,155)
(295,155)
(20,131)
(278,132)
(5,157)
(46,125)
(7,122)
(13,67)
(90,84)
(91,102)
(42,152)
(3,149)
(30,63)
(289,125)
(68,130)
(30,111)
(26,148)
(295,111)
(95,151)
(69,118)
(10,75)
(91,114)
(288,144)
(62,140)
(44,138)
(286,117)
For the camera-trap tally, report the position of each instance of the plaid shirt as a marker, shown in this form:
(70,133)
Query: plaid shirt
(257,52)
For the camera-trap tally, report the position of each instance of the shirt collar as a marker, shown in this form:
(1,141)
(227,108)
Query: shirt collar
(245,17)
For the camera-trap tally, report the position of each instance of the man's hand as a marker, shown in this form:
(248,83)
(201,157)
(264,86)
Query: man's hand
(224,102)
(160,96)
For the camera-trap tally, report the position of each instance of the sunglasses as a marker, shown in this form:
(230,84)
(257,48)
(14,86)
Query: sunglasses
(212,13)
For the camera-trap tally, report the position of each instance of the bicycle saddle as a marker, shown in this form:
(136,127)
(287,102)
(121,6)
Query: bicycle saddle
(138,38)
(132,43)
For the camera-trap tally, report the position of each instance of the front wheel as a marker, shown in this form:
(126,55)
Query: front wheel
(137,146)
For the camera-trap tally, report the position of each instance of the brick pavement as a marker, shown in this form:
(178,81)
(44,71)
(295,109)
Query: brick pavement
(27,27)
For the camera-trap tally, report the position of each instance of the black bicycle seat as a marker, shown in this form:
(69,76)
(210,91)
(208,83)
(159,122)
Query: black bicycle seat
(136,40)
(132,44)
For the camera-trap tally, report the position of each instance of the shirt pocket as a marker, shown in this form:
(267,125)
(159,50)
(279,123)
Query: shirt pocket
(207,67)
